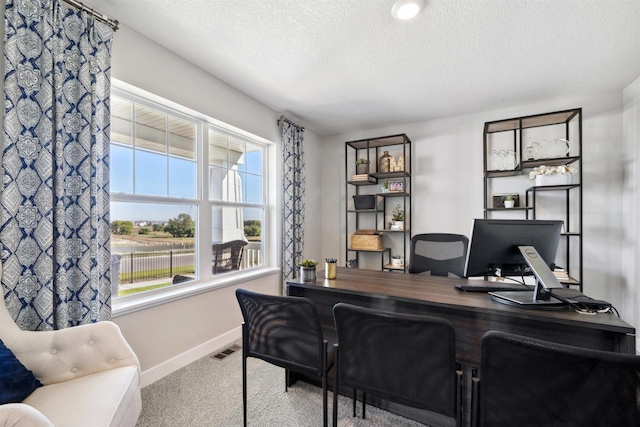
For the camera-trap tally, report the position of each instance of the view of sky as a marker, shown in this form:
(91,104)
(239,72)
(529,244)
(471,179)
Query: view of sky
(151,179)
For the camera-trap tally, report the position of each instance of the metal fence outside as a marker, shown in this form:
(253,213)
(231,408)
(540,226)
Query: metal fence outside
(140,264)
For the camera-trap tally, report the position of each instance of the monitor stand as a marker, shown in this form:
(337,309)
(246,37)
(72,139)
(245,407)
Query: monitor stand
(540,297)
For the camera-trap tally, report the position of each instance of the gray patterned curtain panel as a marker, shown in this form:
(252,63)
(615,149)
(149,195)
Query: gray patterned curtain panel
(55,197)
(292,199)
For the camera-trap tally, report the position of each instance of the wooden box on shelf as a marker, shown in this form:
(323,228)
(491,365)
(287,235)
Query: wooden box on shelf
(366,240)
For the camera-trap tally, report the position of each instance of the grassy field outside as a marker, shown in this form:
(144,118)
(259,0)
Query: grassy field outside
(153,238)
(125,292)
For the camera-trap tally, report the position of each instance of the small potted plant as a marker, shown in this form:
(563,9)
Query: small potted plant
(552,175)
(509,201)
(362,166)
(397,218)
(397,261)
(308,270)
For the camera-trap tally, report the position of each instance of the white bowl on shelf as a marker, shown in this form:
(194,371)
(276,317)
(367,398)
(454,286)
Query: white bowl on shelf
(557,179)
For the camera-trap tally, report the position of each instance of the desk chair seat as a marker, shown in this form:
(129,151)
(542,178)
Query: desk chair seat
(439,254)
(407,359)
(284,331)
(530,382)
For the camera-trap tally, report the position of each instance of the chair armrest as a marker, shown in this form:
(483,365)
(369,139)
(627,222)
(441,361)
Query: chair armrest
(65,354)
(21,415)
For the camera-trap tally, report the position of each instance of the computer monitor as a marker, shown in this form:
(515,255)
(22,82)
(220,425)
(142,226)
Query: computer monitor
(515,248)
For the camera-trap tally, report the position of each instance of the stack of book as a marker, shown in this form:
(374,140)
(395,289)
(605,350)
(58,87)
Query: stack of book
(561,274)
(363,177)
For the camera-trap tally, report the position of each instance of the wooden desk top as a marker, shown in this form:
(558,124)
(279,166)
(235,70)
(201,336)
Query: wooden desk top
(440,291)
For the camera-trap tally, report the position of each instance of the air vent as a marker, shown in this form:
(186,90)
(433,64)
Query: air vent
(224,353)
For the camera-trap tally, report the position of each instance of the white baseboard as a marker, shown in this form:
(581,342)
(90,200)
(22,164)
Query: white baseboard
(157,372)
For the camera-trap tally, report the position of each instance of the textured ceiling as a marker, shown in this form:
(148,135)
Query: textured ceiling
(338,66)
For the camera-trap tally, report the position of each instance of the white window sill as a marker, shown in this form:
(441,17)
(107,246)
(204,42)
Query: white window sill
(144,300)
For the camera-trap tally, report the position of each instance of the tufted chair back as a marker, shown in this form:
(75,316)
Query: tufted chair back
(55,356)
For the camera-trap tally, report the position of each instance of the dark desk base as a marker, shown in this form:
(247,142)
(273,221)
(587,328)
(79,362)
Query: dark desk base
(472,314)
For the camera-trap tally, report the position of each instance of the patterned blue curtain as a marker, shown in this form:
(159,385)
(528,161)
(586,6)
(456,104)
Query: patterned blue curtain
(292,199)
(55,196)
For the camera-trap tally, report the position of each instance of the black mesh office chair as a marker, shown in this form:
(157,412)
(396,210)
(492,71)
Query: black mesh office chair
(407,359)
(530,382)
(284,331)
(438,253)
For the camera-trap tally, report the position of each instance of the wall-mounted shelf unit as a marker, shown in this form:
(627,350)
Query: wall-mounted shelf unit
(512,149)
(389,183)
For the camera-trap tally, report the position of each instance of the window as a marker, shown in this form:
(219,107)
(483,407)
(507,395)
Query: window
(182,210)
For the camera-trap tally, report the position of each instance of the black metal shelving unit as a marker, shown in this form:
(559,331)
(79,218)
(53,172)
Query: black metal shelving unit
(510,133)
(372,149)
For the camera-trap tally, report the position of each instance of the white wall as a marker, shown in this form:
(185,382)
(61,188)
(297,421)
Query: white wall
(447,179)
(631,201)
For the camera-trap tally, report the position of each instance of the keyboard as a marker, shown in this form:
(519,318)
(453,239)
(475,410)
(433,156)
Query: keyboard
(492,287)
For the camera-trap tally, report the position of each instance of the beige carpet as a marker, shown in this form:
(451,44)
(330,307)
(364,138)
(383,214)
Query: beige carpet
(208,393)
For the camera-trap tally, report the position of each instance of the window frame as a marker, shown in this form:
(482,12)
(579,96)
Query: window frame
(205,280)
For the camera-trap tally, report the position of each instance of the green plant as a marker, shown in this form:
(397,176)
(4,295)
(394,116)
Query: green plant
(362,162)
(398,213)
(182,226)
(308,263)
(509,197)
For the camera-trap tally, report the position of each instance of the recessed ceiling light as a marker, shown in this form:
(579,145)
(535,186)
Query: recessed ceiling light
(407,9)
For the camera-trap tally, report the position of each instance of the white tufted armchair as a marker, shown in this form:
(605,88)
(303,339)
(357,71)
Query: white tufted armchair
(90,376)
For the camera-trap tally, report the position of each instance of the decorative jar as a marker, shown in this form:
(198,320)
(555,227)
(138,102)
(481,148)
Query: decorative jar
(330,270)
(384,164)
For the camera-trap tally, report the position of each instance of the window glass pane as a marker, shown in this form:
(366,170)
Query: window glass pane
(182,178)
(151,174)
(156,245)
(217,183)
(253,189)
(237,239)
(151,129)
(121,120)
(253,159)
(217,148)
(226,185)
(234,186)
(236,153)
(121,169)
(253,253)
(182,138)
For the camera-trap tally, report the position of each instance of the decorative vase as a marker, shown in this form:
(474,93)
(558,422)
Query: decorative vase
(384,164)
(308,274)
(397,225)
(330,270)
(362,168)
